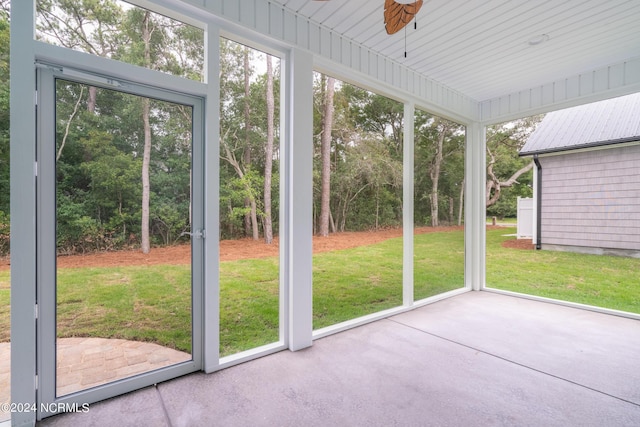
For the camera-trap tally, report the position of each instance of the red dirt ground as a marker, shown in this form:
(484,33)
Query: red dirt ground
(242,249)
(518,244)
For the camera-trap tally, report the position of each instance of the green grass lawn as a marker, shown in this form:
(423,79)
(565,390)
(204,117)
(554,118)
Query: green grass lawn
(505,221)
(438,263)
(137,303)
(249,301)
(603,281)
(153,303)
(355,282)
(351,283)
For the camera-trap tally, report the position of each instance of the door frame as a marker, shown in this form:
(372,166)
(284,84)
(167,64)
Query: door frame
(48,402)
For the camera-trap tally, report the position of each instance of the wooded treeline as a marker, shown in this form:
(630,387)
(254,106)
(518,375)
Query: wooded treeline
(124,162)
(4,127)
(358,180)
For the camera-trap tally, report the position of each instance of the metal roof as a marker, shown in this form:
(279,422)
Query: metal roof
(606,122)
(485,49)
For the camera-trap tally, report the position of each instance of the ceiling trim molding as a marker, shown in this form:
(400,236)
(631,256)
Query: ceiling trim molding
(364,81)
(596,85)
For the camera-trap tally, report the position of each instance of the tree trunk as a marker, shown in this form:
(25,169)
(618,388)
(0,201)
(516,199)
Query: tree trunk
(434,207)
(436,166)
(332,222)
(325,141)
(377,225)
(91,102)
(246,157)
(461,207)
(146,189)
(71,117)
(254,219)
(494,185)
(231,228)
(268,162)
(450,210)
(145,245)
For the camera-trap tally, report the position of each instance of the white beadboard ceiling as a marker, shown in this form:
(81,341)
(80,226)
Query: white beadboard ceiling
(480,48)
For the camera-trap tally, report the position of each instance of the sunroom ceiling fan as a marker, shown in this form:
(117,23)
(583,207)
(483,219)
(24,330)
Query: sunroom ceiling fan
(398,15)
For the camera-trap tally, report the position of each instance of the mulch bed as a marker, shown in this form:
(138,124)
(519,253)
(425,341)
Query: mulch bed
(518,244)
(231,250)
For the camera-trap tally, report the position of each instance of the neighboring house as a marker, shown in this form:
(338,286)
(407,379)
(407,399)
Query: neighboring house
(587,178)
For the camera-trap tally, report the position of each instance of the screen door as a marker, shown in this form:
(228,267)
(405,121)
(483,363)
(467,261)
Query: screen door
(120,236)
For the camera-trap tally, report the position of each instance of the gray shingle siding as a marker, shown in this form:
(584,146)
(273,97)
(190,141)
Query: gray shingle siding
(592,198)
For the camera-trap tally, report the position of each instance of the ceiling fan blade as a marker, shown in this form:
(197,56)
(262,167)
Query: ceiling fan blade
(397,15)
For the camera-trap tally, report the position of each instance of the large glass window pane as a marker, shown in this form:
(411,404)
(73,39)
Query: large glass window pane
(438,205)
(123,208)
(249,198)
(358,148)
(119,30)
(580,203)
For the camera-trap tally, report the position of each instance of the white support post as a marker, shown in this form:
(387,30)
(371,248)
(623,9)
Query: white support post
(475,209)
(407,204)
(298,226)
(211,327)
(23,211)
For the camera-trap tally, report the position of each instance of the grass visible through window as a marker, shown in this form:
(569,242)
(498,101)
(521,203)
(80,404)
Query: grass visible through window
(152,303)
(603,281)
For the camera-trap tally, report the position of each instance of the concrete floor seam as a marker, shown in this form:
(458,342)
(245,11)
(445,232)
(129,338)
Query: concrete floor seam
(516,363)
(164,408)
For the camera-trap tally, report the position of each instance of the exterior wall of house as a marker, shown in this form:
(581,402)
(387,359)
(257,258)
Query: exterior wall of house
(591,200)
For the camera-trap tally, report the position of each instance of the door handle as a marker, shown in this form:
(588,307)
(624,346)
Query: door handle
(198,234)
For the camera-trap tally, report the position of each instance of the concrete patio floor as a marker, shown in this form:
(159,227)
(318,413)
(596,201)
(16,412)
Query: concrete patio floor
(477,359)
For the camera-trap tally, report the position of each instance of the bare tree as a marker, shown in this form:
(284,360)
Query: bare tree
(503,143)
(268,162)
(71,117)
(145,244)
(251,218)
(436,167)
(461,207)
(495,185)
(325,142)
